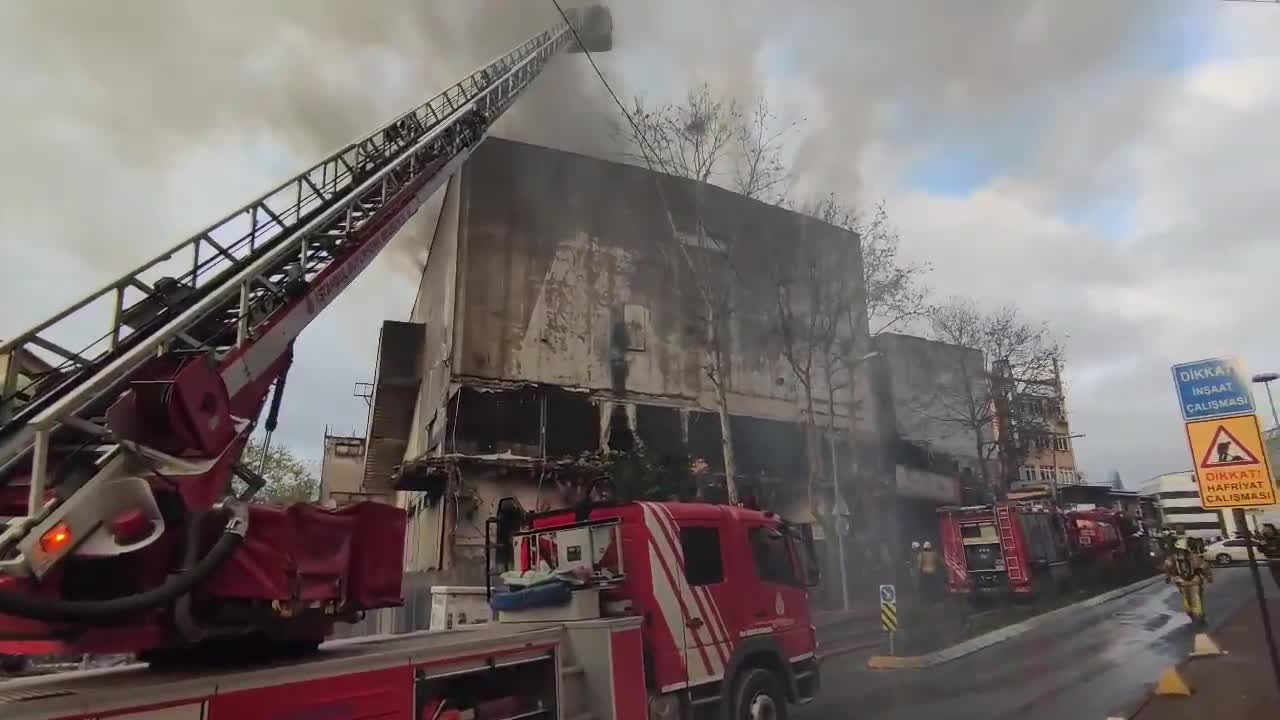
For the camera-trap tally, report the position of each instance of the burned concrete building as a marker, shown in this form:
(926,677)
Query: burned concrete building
(561,324)
(937,452)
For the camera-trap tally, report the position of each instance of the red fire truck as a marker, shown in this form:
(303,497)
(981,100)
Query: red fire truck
(1097,534)
(675,611)
(1002,548)
(1013,547)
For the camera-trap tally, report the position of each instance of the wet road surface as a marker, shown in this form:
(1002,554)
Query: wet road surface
(1085,665)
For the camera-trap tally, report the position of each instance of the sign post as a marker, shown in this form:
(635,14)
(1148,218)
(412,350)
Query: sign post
(889,612)
(1228,453)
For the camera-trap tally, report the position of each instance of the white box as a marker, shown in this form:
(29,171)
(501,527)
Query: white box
(455,605)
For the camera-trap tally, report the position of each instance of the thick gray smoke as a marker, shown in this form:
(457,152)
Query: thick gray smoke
(145,85)
(131,123)
(310,73)
(116,107)
(860,70)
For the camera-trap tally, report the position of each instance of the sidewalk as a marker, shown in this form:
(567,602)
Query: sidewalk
(841,632)
(1236,685)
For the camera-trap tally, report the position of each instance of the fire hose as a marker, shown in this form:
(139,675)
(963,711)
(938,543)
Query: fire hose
(47,609)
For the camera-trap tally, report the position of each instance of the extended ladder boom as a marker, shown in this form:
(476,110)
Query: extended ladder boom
(238,292)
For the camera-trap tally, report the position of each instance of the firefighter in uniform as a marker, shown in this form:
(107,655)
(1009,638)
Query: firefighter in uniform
(1189,571)
(927,567)
(1269,544)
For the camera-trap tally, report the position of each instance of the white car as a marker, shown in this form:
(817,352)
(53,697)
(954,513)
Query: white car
(1225,552)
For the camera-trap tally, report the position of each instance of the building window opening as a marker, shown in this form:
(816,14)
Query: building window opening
(620,437)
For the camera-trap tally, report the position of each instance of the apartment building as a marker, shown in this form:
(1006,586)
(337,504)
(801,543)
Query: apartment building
(1177,499)
(1042,447)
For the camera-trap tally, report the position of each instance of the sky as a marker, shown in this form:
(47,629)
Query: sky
(1102,165)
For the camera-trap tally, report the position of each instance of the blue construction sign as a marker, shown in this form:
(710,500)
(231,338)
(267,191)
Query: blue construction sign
(1212,388)
(888,594)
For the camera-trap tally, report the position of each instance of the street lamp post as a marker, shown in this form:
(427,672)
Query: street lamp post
(842,508)
(1265,379)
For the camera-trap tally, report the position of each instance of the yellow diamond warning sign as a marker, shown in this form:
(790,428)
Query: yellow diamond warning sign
(1231,465)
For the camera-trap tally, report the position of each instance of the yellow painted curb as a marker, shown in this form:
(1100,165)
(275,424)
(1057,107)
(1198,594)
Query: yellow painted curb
(1171,683)
(1205,646)
(896,662)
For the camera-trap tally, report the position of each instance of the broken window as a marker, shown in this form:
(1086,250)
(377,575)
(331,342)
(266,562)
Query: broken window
(704,440)
(494,421)
(769,447)
(659,430)
(572,423)
(637,325)
(620,437)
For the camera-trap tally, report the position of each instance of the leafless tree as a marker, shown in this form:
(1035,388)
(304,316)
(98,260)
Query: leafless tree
(813,289)
(692,139)
(828,320)
(762,171)
(895,290)
(708,139)
(975,394)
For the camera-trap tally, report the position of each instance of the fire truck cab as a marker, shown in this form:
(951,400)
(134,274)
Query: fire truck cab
(722,590)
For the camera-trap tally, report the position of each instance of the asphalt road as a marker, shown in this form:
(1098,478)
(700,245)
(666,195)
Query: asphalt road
(1084,664)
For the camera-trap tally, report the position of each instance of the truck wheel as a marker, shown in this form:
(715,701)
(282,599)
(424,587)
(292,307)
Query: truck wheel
(758,695)
(1223,559)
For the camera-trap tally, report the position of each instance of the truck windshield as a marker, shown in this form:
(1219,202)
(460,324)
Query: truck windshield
(773,556)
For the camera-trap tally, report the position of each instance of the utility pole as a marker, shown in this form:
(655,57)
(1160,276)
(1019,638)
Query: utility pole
(842,523)
(841,510)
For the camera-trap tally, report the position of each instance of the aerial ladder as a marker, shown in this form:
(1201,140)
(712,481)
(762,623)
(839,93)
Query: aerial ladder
(120,526)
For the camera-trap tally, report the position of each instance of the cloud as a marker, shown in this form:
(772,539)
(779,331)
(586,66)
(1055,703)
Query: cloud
(1192,276)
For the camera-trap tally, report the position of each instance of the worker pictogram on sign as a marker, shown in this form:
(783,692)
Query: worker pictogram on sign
(1231,465)
(1225,450)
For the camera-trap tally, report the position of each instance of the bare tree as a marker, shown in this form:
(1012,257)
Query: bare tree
(832,299)
(813,289)
(709,139)
(706,138)
(762,172)
(895,293)
(692,139)
(974,395)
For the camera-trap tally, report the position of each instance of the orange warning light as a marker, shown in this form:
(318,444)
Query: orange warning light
(55,538)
